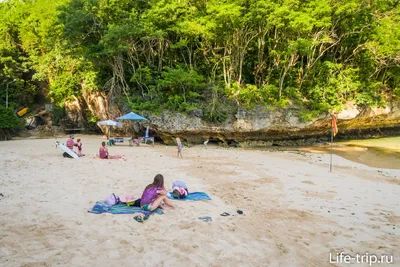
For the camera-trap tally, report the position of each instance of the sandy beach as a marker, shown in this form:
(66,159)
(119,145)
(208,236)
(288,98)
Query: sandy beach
(296,212)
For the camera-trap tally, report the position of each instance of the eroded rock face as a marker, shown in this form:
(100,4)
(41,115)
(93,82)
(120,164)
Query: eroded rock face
(266,126)
(262,126)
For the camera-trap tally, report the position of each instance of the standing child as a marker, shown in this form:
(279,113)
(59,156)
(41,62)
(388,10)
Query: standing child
(79,145)
(205,143)
(154,195)
(178,141)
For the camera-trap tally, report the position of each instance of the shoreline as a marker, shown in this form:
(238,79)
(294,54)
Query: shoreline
(371,152)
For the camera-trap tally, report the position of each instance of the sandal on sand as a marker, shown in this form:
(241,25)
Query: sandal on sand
(225,214)
(206,219)
(140,218)
(239,211)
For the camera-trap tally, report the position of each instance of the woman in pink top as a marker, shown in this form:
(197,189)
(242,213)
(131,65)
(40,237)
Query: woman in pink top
(103,151)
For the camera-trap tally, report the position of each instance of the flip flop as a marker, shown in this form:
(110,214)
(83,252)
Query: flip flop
(239,211)
(225,214)
(206,219)
(138,218)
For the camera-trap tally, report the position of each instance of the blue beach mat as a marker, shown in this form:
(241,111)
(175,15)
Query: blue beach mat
(192,196)
(101,207)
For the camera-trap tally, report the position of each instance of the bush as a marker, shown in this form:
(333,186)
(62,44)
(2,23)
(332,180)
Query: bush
(8,119)
(57,114)
(217,113)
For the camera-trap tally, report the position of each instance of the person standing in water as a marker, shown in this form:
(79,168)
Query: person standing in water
(178,141)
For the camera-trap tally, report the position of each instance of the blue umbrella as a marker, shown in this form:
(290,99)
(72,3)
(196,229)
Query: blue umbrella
(132,117)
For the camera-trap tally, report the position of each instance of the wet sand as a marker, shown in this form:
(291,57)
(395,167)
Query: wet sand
(378,153)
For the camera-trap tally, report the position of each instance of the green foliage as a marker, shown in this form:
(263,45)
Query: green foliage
(308,115)
(8,119)
(397,91)
(57,114)
(184,55)
(148,105)
(216,114)
(372,95)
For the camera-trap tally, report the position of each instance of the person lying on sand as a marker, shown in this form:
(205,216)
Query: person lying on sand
(179,189)
(154,195)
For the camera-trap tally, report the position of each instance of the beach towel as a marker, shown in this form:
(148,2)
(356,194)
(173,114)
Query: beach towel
(191,196)
(101,207)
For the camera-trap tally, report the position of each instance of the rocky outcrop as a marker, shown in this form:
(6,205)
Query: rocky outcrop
(266,126)
(261,126)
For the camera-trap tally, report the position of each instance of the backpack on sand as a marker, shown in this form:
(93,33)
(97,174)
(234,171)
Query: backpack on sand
(111,200)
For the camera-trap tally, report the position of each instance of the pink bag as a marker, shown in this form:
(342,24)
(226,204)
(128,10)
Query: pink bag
(127,198)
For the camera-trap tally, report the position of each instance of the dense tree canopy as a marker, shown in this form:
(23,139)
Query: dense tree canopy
(209,54)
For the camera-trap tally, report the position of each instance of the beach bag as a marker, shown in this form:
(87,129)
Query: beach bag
(111,200)
(127,198)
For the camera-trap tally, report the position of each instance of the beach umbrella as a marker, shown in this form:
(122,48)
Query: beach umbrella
(132,117)
(109,123)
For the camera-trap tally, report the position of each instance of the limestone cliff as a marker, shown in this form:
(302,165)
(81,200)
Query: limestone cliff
(261,126)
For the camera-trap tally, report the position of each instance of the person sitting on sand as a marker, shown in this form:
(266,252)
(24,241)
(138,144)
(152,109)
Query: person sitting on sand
(103,151)
(136,141)
(70,142)
(179,189)
(154,195)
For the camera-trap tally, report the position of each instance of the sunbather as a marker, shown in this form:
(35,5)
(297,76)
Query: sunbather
(154,195)
(179,189)
(103,153)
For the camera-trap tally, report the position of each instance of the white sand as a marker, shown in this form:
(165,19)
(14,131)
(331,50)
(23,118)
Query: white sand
(295,211)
